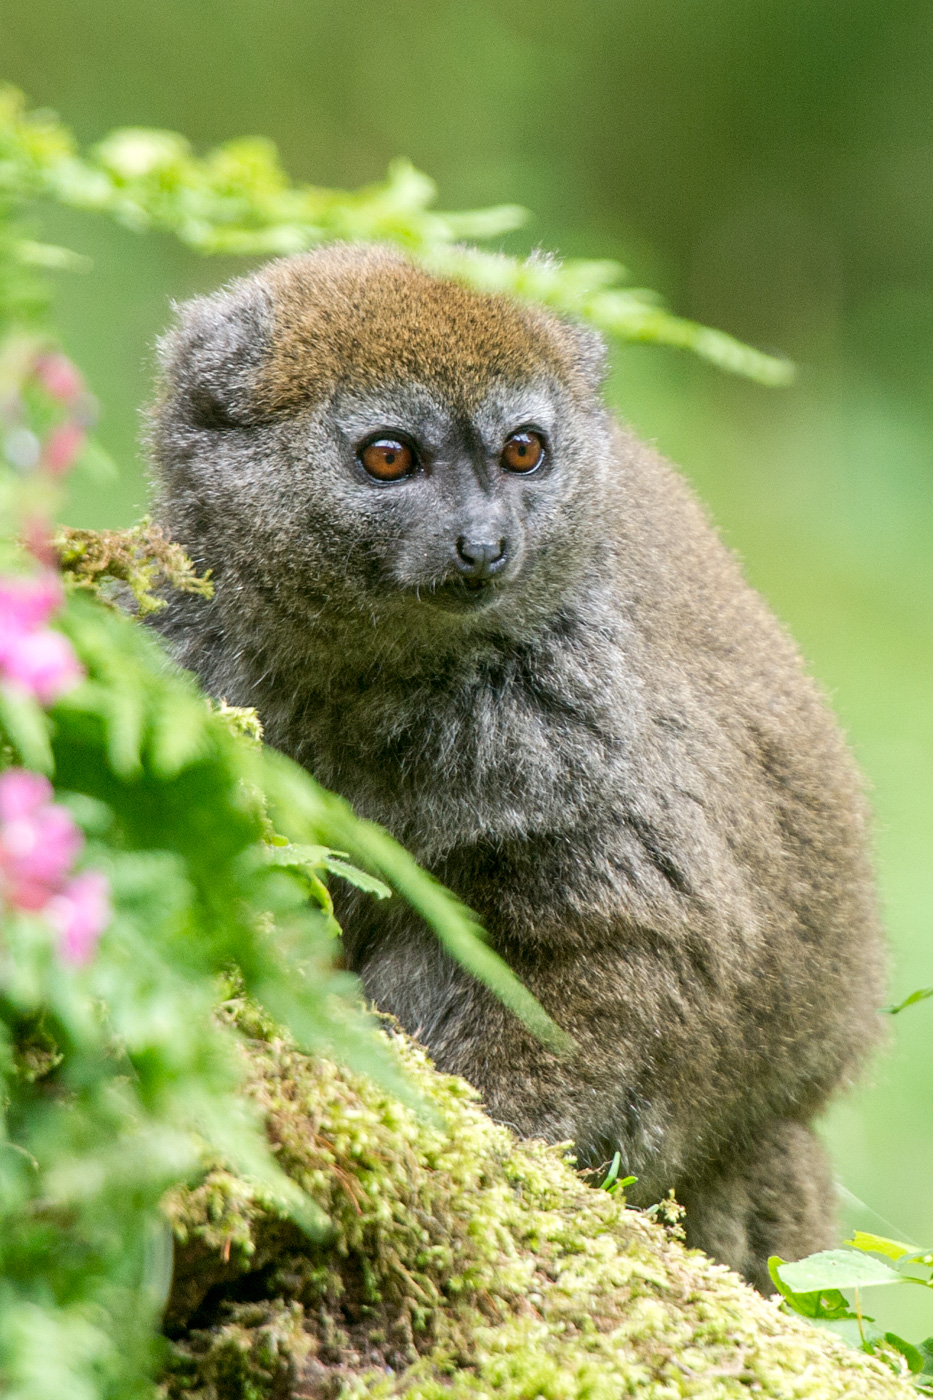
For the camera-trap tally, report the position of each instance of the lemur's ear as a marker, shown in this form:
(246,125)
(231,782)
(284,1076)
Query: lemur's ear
(589,352)
(211,358)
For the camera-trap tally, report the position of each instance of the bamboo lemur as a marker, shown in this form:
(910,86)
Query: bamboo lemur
(471,602)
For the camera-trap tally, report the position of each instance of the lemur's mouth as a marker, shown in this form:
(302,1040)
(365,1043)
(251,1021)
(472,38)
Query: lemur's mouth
(463,595)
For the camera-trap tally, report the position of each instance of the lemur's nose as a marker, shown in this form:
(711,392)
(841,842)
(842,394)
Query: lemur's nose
(480,559)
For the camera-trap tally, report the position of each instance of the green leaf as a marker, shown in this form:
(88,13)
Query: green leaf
(27,727)
(487,223)
(237,198)
(914,997)
(926,1351)
(133,153)
(880,1244)
(454,925)
(911,1354)
(290,853)
(851,1329)
(354,876)
(824,1305)
(612,1174)
(50,255)
(125,721)
(315,858)
(836,1269)
(406,188)
(95,818)
(179,733)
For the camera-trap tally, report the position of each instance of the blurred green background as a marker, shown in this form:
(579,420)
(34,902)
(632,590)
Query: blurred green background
(769,167)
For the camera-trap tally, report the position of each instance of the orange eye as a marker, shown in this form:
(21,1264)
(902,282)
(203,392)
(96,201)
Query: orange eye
(387,459)
(523,452)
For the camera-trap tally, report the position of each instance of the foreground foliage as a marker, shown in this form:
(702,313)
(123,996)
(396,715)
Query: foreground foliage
(813,1288)
(115,1072)
(237,199)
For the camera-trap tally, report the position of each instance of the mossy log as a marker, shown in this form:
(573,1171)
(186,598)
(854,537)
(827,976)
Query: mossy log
(458,1263)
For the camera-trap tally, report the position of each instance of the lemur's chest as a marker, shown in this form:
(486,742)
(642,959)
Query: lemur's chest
(444,760)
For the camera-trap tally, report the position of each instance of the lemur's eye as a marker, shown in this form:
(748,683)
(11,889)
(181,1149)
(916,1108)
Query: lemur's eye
(386,458)
(523,451)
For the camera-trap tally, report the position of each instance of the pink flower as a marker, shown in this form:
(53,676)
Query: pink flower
(32,656)
(38,845)
(62,447)
(80,914)
(59,377)
(37,537)
(22,793)
(38,840)
(28,603)
(43,663)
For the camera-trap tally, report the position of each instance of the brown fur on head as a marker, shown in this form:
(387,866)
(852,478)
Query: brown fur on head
(610,750)
(344,315)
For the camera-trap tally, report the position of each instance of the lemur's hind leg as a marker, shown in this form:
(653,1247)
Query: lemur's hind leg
(774,1197)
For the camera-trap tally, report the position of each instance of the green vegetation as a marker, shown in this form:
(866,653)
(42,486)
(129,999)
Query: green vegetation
(813,1288)
(116,1075)
(238,200)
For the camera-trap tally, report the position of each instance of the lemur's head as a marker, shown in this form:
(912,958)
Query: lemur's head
(343,428)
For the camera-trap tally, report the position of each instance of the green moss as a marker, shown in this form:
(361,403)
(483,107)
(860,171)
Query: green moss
(142,558)
(460,1263)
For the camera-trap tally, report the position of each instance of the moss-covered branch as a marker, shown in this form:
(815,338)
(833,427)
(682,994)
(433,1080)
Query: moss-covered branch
(460,1263)
(142,558)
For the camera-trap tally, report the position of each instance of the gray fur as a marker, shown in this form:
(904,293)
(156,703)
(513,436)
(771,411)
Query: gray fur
(613,754)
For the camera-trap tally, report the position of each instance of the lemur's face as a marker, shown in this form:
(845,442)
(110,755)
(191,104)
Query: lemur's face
(450,507)
(393,444)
